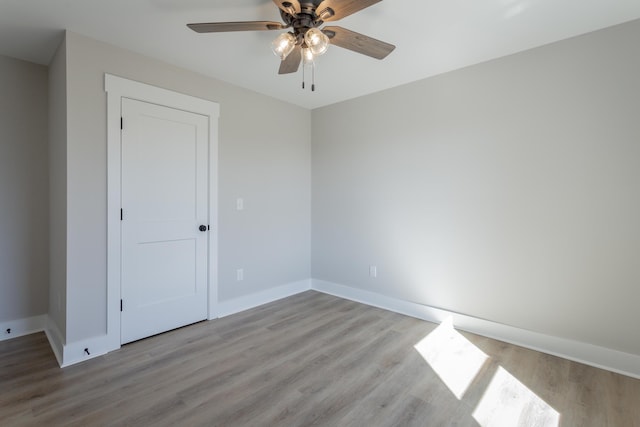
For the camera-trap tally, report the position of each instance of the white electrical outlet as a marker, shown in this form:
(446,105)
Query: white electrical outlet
(240,275)
(239,204)
(373,271)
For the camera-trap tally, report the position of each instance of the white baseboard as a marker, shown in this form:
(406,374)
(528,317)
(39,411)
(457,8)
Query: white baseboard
(236,305)
(19,327)
(72,353)
(589,354)
(55,339)
(600,357)
(75,352)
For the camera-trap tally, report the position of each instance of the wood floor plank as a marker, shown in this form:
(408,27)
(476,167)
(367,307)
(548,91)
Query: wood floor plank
(311,359)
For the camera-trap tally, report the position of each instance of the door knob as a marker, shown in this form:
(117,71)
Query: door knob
(203,228)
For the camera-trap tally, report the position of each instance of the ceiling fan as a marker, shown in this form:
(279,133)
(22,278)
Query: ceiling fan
(306,40)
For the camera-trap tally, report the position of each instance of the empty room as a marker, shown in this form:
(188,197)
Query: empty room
(319,212)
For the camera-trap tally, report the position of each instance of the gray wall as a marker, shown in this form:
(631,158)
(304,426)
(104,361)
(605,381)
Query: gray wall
(24,239)
(509,190)
(58,189)
(264,157)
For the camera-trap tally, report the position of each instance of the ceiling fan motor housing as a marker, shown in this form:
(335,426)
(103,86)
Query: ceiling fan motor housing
(303,21)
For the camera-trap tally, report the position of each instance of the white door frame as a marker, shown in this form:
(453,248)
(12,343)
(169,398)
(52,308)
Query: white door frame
(118,88)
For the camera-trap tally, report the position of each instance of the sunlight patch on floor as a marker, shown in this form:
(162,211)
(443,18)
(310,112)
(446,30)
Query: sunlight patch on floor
(508,402)
(454,358)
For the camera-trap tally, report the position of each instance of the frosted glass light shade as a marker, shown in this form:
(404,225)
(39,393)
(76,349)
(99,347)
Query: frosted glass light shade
(316,41)
(283,45)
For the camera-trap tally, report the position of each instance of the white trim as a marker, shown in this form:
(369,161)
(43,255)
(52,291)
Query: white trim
(20,327)
(74,352)
(117,88)
(236,305)
(589,354)
(213,216)
(55,339)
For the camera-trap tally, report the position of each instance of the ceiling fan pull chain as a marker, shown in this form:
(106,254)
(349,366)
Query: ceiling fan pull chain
(302,76)
(313,77)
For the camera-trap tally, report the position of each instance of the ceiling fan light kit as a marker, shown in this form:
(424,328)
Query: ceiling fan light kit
(307,56)
(283,45)
(316,41)
(307,40)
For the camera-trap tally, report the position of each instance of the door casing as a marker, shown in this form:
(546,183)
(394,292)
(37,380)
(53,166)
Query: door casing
(118,88)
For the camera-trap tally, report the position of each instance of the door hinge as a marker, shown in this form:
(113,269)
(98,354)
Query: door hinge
(120,305)
(121,214)
(121,123)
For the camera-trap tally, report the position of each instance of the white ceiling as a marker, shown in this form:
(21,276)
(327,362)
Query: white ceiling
(432,37)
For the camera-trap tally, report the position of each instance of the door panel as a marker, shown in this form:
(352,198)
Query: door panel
(164,201)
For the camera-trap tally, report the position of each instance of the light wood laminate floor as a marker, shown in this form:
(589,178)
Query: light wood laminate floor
(311,359)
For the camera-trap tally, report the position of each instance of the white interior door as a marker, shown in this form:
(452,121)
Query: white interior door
(164,203)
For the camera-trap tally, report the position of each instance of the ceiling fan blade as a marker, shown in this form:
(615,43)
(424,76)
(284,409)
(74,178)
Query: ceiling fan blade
(292,62)
(342,8)
(292,7)
(358,42)
(220,27)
